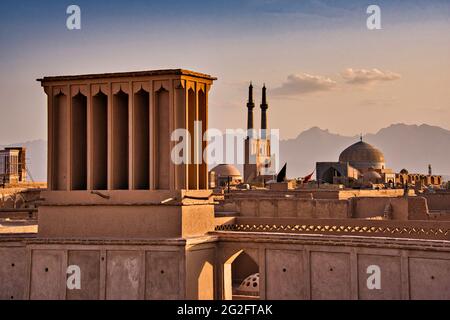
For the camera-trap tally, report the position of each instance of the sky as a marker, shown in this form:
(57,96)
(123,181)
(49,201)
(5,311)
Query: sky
(321,64)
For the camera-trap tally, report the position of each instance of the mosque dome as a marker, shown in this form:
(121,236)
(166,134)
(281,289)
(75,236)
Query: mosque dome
(363,156)
(372,176)
(226,170)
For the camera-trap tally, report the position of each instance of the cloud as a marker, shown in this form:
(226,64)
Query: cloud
(368,77)
(303,83)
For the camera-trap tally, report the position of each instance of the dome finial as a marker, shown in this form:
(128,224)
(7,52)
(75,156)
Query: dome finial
(361,137)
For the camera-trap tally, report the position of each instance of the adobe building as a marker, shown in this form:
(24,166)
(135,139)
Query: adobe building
(140,227)
(109,145)
(418,180)
(111,181)
(112,131)
(12,166)
(363,165)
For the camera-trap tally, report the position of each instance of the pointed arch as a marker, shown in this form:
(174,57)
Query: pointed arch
(141,139)
(120,140)
(79,142)
(100,141)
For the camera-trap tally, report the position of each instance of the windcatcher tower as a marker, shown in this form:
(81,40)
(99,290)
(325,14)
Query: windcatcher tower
(111,179)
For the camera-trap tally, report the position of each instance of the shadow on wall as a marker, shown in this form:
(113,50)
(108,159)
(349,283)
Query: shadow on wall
(241,277)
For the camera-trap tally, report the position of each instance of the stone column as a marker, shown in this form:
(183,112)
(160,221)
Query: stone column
(152,136)
(130,136)
(49,91)
(109,134)
(192,111)
(203,117)
(89,122)
(180,122)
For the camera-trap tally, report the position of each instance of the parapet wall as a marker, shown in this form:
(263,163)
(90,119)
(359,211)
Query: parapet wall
(291,266)
(389,193)
(306,193)
(298,267)
(395,208)
(125,214)
(438,201)
(290,207)
(173,269)
(16,198)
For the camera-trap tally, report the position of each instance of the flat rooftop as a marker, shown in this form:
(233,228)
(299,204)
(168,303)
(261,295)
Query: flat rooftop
(18,226)
(178,72)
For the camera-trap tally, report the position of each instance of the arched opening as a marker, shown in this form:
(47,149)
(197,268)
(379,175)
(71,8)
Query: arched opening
(162,139)
(241,277)
(328,176)
(100,141)
(141,148)
(79,142)
(391,183)
(120,141)
(205,282)
(60,147)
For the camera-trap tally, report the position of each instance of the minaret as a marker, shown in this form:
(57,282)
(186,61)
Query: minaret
(264,107)
(250,170)
(250,106)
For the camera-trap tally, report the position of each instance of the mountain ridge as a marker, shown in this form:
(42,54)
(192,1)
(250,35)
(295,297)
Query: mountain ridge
(405,146)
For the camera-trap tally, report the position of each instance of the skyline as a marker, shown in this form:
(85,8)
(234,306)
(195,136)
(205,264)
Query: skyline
(321,65)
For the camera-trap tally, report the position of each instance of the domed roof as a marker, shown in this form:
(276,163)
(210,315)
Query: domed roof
(361,152)
(372,176)
(250,285)
(226,170)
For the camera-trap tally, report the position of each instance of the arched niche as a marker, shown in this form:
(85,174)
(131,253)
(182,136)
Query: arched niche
(120,141)
(192,116)
(100,141)
(79,142)
(162,139)
(236,269)
(60,142)
(329,174)
(141,131)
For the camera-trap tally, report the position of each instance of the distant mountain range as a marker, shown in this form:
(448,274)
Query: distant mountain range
(404,146)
